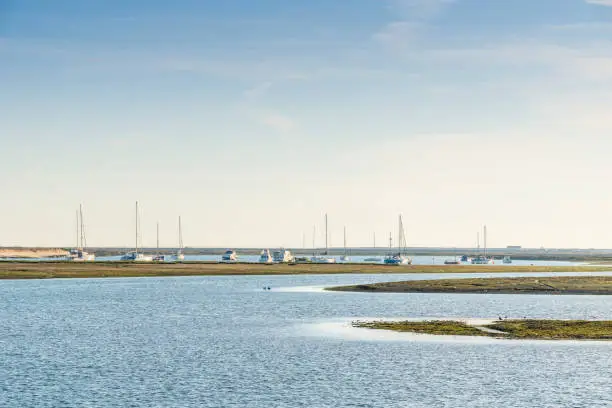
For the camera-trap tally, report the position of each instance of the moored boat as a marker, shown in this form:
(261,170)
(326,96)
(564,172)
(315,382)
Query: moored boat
(79,254)
(136,256)
(229,256)
(283,256)
(265,257)
(399,257)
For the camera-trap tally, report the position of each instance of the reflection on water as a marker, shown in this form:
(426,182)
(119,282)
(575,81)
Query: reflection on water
(224,342)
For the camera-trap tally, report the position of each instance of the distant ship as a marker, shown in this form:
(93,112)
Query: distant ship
(79,254)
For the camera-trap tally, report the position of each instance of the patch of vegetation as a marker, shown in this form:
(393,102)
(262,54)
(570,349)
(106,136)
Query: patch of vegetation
(592,285)
(444,327)
(555,329)
(512,329)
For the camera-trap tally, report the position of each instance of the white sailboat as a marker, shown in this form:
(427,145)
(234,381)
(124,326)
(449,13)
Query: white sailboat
(158,257)
(180,257)
(136,256)
(79,254)
(483,259)
(324,258)
(265,257)
(373,259)
(345,257)
(399,257)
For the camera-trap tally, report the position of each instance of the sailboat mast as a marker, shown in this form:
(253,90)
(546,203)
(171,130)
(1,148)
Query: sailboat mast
(314,232)
(77,229)
(180,235)
(375,240)
(83,241)
(344,241)
(326,234)
(478,243)
(136,246)
(157,237)
(485,240)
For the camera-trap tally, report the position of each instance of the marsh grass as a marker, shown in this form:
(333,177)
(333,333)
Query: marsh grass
(512,329)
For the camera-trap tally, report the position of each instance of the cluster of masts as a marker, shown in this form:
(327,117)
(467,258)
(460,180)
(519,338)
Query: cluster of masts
(79,254)
(396,256)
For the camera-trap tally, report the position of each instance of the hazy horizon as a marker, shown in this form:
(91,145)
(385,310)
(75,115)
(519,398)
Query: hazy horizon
(251,120)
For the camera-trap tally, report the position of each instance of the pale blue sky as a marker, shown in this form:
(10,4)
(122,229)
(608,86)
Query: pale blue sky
(251,119)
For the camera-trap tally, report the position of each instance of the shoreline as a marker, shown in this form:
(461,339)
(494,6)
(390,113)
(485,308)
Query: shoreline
(66,269)
(556,285)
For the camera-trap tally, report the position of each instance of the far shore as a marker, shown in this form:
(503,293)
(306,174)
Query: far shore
(560,285)
(62,269)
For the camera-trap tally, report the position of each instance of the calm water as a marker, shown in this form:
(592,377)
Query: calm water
(224,342)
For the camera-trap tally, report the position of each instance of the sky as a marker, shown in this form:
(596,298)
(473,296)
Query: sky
(252,119)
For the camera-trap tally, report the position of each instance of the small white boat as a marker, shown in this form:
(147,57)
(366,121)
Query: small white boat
(507,259)
(265,257)
(283,256)
(229,256)
(323,259)
(79,255)
(481,260)
(397,259)
(137,257)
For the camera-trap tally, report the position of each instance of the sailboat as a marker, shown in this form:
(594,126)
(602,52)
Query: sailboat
(373,258)
(483,259)
(345,257)
(399,257)
(180,257)
(136,256)
(158,257)
(324,258)
(78,254)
